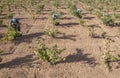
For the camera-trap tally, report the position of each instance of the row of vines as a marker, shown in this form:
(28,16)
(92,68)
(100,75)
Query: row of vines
(106,10)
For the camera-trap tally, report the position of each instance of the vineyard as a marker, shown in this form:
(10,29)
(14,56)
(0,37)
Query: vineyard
(59,38)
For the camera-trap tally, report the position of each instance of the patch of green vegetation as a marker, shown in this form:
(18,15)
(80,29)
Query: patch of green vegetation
(1,22)
(73,10)
(56,3)
(39,8)
(117,16)
(99,14)
(107,20)
(51,32)
(0,53)
(11,34)
(9,15)
(107,57)
(45,53)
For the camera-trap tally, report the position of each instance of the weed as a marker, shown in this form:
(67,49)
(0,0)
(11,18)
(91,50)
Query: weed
(56,3)
(91,32)
(99,14)
(39,8)
(1,22)
(47,1)
(83,22)
(11,34)
(68,3)
(90,9)
(33,2)
(106,54)
(9,15)
(0,53)
(51,55)
(117,16)
(55,22)
(119,30)
(107,20)
(1,9)
(51,32)
(107,57)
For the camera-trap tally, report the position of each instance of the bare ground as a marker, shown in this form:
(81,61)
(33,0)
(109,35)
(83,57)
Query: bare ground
(83,54)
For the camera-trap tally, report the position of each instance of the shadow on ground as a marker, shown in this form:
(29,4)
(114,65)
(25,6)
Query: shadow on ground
(42,18)
(44,13)
(66,18)
(64,36)
(69,24)
(27,38)
(20,61)
(117,24)
(1,35)
(3,26)
(80,57)
(47,10)
(94,26)
(89,17)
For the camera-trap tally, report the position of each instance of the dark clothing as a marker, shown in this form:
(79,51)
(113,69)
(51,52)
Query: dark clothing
(15,24)
(16,27)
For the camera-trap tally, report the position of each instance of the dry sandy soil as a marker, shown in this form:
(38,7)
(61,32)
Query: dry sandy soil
(83,53)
